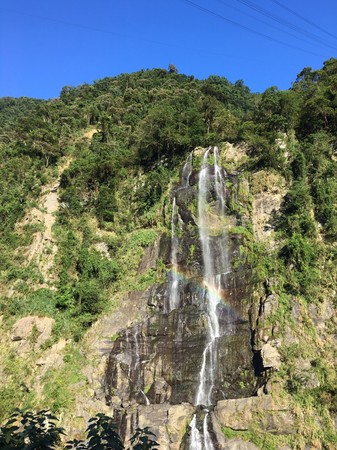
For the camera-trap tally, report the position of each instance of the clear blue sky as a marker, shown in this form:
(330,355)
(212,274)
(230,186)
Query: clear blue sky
(45,45)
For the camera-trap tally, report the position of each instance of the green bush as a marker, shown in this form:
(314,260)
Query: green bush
(87,294)
(27,430)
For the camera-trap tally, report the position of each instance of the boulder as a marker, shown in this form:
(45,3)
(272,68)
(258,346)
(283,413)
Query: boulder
(31,332)
(243,413)
(271,358)
(270,305)
(53,357)
(155,417)
(239,444)
(179,416)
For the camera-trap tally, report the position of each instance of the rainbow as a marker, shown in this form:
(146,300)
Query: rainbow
(183,274)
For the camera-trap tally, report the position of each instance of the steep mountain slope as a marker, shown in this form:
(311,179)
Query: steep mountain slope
(176,278)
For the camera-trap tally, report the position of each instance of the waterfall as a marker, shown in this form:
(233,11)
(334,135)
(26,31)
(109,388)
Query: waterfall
(174,280)
(136,363)
(219,183)
(215,263)
(173,302)
(187,171)
(211,280)
(198,440)
(195,437)
(195,346)
(208,444)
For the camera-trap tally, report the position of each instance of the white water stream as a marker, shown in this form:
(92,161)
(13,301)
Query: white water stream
(195,436)
(214,256)
(211,279)
(174,281)
(187,170)
(135,364)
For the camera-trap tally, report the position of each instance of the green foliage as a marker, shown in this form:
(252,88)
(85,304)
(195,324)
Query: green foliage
(143,238)
(88,297)
(26,430)
(143,439)
(102,435)
(299,252)
(40,302)
(117,183)
(152,188)
(171,128)
(62,385)
(263,440)
(92,265)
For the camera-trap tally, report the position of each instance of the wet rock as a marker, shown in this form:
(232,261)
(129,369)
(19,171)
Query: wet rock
(169,348)
(157,296)
(218,436)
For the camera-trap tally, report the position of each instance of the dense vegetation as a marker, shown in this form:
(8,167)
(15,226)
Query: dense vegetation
(143,125)
(26,430)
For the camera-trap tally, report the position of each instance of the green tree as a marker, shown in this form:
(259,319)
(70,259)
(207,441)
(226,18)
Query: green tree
(26,430)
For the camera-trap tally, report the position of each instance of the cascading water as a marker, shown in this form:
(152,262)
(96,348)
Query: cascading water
(208,444)
(211,280)
(187,171)
(219,184)
(195,437)
(135,358)
(214,262)
(196,348)
(200,440)
(174,281)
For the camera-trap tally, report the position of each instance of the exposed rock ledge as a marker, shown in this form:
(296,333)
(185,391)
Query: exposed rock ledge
(243,413)
(170,422)
(31,332)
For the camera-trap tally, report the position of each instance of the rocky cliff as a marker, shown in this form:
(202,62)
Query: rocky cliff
(187,356)
(207,355)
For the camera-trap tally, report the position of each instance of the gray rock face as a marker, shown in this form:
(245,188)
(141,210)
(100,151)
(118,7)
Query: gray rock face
(169,347)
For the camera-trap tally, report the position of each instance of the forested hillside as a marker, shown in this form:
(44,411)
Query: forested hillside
(85,192)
